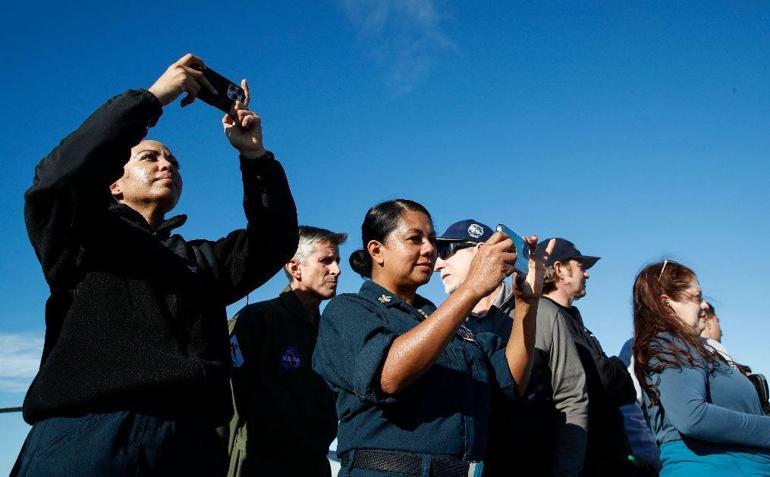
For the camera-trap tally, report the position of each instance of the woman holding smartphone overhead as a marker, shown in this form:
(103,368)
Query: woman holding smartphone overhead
(414,384)
(705,414)
(134,374)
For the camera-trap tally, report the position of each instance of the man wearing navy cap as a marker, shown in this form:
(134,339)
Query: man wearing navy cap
(546,433)
(608,383)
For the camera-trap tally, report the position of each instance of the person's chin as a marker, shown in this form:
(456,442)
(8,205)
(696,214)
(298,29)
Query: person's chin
(328,291)
(167,198)
(422,278)
(450,287)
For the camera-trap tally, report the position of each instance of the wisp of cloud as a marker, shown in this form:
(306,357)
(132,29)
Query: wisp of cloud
(19,360)
(402,36)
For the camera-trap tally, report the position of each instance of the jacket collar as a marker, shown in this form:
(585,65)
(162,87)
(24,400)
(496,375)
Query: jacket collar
(136,219)
(291,302)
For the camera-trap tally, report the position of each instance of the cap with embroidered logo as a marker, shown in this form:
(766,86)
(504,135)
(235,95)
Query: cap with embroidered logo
(468,230)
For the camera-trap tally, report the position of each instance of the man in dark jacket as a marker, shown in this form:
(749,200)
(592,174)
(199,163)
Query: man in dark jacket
(134,371)
(285,414)
(607,381)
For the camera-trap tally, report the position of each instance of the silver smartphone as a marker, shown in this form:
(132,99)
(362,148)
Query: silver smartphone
(522,250)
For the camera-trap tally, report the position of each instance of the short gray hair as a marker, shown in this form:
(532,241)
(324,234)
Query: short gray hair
(309,237)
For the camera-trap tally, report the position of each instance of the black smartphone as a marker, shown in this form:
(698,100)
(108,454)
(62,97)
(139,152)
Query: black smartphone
(229,92)
(522,251)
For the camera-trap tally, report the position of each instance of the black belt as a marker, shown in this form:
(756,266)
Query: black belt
(404,463)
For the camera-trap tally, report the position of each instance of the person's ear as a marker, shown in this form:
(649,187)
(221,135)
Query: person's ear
(115,191)
(375,249)
(665,299)
(292,267)
(560,269)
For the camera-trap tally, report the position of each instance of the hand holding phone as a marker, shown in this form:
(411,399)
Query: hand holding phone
(522,250)
(227,92)
(184,75)
(529,281)
(243,128)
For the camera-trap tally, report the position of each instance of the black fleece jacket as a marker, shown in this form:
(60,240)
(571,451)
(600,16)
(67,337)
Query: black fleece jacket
(136,317)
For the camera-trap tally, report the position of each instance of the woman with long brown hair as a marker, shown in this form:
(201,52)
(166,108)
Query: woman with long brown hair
(706,415)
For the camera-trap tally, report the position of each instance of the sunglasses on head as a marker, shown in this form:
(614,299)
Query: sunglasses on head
(447,249)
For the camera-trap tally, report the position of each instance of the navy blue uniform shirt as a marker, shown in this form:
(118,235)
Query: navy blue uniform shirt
(445,412)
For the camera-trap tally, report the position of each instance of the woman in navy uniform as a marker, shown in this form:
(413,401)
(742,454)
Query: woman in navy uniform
(414,384)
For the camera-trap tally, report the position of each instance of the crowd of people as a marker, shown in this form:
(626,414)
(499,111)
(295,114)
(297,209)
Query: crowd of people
(142,374)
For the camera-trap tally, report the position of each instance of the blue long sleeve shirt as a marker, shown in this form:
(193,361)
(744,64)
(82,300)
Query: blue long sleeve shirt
(711,402)
(446,411)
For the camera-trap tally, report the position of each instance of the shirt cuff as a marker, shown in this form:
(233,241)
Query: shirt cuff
(368,369)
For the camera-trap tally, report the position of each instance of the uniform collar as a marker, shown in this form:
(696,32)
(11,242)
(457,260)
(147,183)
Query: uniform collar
(373,291)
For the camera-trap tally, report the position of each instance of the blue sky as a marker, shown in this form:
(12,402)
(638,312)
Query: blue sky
(638,130)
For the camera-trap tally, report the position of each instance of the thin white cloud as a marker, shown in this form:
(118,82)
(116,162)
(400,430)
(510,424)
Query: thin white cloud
(19,360)
(402,36)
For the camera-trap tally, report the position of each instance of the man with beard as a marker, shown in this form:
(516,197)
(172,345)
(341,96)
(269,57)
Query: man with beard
(285,415)
(607,381)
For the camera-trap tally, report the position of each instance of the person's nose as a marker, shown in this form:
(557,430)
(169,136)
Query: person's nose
(334,269)
(166,165)
(428,248)
(440,264)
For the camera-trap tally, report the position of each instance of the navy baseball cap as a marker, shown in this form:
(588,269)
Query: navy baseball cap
(468,230)
(565,250)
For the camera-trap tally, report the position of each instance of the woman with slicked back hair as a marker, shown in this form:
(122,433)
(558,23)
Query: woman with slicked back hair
(705,414)
(134,373)
(414,385)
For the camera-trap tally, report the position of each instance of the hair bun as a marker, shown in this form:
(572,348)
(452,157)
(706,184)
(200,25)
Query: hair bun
(361,263)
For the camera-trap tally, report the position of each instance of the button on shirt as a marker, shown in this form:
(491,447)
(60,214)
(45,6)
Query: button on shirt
(445,412)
